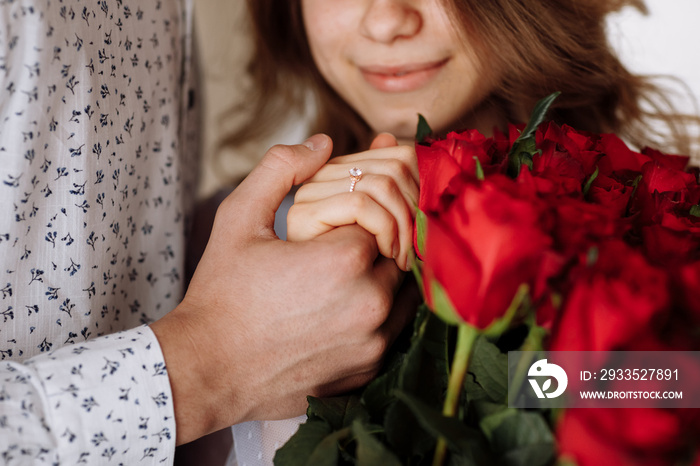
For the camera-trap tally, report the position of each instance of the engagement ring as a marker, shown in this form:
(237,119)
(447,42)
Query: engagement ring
(355,176)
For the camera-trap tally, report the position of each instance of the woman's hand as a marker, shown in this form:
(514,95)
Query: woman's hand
(383,201)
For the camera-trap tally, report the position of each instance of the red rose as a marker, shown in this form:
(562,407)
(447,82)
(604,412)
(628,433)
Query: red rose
(584,140)
(619,157)
(463,147)
(662,190)
(689,284)
(577,225)
(578,145)
(686,222)
(442,164)
(437,169)
(675,162)
(563,171)
(611,301)
(670,247)
(623,437)
(611,193)
(482,249)
(658,177)
(514,132)
(635,436)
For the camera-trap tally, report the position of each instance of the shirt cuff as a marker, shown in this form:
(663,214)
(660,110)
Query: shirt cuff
(108,400)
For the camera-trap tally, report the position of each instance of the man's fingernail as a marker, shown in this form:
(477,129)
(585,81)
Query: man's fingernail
(316,142)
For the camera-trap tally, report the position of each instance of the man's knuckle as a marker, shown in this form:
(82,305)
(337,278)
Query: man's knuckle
(371,354)
(355,254)
(376,308)
(378,347)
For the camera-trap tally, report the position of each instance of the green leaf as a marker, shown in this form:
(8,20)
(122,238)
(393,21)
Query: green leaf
(428,351)
(460,437)
(423,130)
(423,374)
(524,148)
(420,322)
(486,408)
(442,306)
(497,414)
(421,230)
(592,256)
(489,368)
(338,411)
(326,453)
(479,169)
(535,337)
(424,371)
(473,392)
(520,437)
(635,185)
(529,455)
(695,211)
(456,459)
(635,182)
(436,346)
(404,434)
(538,115)
(417,271)
(590,181)
(370,451)
(298,450)
(378,395)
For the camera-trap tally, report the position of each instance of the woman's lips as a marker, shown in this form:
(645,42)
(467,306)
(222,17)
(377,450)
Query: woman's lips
(405,78)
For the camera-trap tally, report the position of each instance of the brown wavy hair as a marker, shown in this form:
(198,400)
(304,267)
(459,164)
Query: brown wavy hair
(541,46)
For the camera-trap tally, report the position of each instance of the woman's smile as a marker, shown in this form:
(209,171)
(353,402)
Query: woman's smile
(402,78)
(390,60)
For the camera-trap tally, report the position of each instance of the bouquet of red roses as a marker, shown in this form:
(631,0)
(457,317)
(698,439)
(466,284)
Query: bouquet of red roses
(607,242)
(542,238)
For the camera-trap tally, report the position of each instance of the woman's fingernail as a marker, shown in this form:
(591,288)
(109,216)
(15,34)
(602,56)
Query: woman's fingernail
(395,251)
(316,142)
(410,260)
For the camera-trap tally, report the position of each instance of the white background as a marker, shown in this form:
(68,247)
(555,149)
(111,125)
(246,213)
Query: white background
(667,41)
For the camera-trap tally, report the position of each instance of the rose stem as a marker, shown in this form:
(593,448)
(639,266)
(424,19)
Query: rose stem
(466,336)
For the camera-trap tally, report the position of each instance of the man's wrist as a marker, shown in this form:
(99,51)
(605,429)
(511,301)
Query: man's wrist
(200,405)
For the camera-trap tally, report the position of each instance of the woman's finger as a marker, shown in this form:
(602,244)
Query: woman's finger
(383,140)
(405,155)
(381,186)
(390,168)
(384,191)
(308,220)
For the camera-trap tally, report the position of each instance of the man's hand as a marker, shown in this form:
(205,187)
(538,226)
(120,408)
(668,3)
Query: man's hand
(266,322)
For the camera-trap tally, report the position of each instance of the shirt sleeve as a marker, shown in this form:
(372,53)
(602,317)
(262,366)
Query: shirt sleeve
(105,401)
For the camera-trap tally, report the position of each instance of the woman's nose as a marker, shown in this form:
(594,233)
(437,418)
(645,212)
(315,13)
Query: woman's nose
(388,20)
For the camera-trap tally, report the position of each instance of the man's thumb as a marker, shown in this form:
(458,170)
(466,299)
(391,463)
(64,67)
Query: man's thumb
(259,196)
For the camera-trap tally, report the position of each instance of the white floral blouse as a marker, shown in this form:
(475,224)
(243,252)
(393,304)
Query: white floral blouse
(97,166)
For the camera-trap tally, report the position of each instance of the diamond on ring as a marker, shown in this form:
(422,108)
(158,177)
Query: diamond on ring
(355,176)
